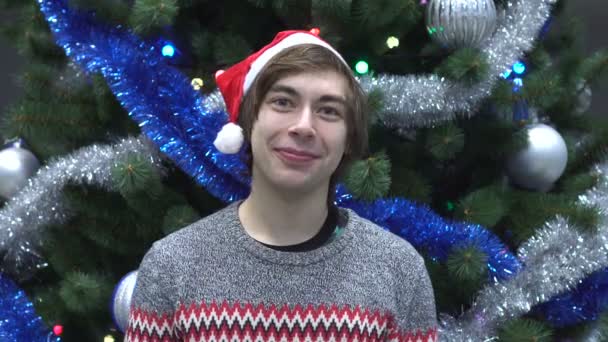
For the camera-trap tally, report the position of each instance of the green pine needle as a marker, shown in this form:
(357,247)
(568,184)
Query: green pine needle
(543,88)
(467,264)
(578,183)
(148,16)
(372,14)
(522,330)
(465,65)
(411,185)
(178,217)
(84,293)
(445,142)
(230,48)
(585,218)
(114,11)
(484,206)
(135,174)
(375,102)
(540,58)
(594,67)
(201,46)
(370,179)
(602,325)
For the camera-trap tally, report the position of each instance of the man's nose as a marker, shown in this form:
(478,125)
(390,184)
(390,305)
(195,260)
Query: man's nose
(304,124)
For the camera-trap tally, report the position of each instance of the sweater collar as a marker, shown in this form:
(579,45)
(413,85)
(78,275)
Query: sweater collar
(258,250)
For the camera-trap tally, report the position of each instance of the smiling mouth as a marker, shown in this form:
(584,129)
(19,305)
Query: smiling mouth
(294,158)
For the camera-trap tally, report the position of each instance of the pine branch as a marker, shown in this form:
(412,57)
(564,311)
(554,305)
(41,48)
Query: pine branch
(85,293)
(445,142)
(525,330)
(484,206)
(178,217)
(370,179)
(230,48)
(149,16)
(465,65)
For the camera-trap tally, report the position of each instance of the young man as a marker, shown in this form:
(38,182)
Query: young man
(286,264)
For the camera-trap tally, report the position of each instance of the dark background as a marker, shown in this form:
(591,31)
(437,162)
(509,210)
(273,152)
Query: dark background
(594,15)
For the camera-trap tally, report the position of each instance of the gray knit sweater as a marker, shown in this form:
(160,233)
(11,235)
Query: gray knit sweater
(211,281)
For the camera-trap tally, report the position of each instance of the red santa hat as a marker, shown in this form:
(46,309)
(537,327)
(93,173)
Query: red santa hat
(235,81)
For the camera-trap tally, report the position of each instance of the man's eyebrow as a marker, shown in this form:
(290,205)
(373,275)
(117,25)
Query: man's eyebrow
(291,91)
(333,98)
(282,88)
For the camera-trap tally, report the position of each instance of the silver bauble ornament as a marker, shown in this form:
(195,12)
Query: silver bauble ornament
(121,300)
(542,162)
(17,165)
(460,23)
(583,98)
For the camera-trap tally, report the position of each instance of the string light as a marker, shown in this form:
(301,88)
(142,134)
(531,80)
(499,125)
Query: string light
(392,42)
(197,83)
(506,74)
(362,67)
(315,30)
(517,84)
(168,50)
(58,329)
(519,68)
(108,338)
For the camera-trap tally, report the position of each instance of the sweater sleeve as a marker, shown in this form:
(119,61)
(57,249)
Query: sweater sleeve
(151,316)
(417,316)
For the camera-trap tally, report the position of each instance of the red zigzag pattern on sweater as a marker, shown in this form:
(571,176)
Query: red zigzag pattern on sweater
(244,322)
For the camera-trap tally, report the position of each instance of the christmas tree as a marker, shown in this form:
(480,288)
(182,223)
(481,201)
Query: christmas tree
(483,153)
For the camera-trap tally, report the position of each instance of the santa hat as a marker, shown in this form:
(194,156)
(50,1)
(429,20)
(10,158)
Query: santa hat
(235,81)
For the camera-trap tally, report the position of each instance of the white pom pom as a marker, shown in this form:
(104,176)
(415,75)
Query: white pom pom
(230,139)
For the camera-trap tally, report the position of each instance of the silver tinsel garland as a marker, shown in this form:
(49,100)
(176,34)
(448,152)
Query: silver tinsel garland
(555,259)
(422,101)
(40,202)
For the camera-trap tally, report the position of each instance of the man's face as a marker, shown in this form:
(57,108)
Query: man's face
(299,137)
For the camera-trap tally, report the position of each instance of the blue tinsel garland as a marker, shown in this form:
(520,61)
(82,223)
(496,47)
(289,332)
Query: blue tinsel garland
(18,321)
(161,100)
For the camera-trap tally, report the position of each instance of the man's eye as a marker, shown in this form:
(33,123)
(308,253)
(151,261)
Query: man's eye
(281,102)
(329,111)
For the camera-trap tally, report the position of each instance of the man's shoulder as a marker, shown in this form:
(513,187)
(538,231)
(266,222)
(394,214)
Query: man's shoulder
(203,230)
(377,238)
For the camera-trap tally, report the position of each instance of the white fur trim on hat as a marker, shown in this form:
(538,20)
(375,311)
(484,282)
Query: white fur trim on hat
(289,41)
(230,139)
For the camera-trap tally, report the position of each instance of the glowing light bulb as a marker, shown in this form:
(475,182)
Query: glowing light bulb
(519,68)
(315,30)
(168,50)
(506,74)
(197,83)
(392,42)
(58,329)
(362,67)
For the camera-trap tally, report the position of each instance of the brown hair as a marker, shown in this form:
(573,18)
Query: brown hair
(303,58)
